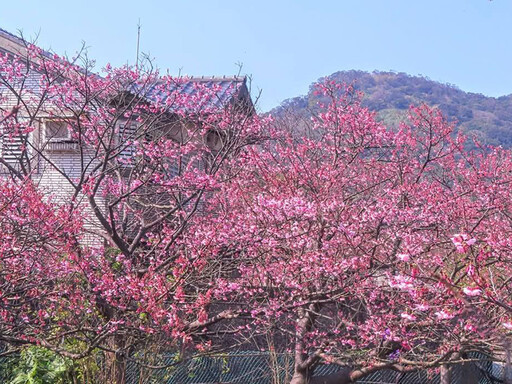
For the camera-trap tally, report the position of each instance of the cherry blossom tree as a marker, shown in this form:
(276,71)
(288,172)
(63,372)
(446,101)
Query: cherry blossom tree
(348,243)
(185,224)
(101,178)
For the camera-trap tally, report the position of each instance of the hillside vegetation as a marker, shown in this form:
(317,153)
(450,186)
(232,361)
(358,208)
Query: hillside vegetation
(390,94)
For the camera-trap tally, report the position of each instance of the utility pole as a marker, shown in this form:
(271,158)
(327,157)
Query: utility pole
(138,43)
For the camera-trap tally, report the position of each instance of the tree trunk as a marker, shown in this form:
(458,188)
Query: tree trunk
(446,374)
(342,377)
(115,363)
(305,323)
(507,375)
(115,369)
(299,378)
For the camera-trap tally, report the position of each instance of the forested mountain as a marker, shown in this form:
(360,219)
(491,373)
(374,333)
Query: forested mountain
(390,94)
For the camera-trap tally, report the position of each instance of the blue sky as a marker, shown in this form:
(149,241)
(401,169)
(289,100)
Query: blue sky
(285,45)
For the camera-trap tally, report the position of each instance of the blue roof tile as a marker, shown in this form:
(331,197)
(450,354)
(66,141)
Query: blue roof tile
(229,88)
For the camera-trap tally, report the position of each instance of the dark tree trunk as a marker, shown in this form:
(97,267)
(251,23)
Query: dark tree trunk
(446,374)
(299,378)
(507,376)
(301,368)
(115,363)
(115,369)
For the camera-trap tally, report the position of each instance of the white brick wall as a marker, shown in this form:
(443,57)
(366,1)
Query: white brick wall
(55,157)
(50,178)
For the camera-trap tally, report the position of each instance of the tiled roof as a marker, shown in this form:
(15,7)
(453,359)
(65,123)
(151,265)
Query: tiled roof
(227,89)
(19,41)
(10,36)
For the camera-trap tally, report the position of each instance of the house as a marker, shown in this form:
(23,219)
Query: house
(54,151)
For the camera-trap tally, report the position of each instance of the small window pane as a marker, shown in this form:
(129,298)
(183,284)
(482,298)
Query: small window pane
(56,130)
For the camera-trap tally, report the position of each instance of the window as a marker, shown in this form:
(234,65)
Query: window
(12,148)
(56,131)
(13,143)
(213,140)
(127,135)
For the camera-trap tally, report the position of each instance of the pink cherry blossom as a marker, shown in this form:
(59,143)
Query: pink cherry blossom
(422,307)
(442,315)
(408,316)
(472,291)
(288,230)
(462,242)
(507,325)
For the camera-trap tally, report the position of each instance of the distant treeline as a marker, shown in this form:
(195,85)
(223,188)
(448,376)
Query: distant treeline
(390,94)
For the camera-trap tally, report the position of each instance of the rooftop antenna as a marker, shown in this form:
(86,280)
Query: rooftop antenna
(138,43)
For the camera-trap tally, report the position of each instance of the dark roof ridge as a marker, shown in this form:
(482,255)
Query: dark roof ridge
(215,78)
(230,86)
(22,43)
(12,36)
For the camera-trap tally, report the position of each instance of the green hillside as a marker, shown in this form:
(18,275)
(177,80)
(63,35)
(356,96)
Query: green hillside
(391,94)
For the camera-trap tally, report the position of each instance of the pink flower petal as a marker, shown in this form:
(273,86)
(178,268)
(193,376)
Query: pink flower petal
(472,291)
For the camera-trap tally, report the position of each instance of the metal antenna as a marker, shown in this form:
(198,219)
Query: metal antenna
(138,43)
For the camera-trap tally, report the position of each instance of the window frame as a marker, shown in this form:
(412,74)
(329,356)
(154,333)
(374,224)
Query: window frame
(56,140)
